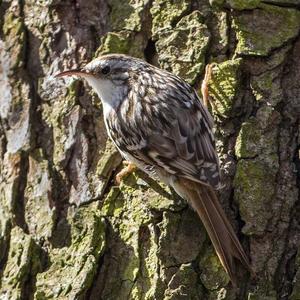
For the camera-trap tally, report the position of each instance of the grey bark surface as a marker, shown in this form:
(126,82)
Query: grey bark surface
(66,230)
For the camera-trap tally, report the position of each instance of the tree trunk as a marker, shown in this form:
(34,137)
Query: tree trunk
(66,230)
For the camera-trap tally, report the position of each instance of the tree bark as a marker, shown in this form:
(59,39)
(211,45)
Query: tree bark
(66,230)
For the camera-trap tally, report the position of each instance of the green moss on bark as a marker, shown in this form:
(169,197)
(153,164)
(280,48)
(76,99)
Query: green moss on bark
(188,229)
(134,247)
(213,275)
(266,86)
(246,144)
(22,264)
(274,26)
(71,269)
(224,87)
(255,179)
(254,185)
(63,117)
(128,14)
(13,30)
(146,253)
(235,4)
(165,13)
(124,42)
(258,136)
(242,4)
(184,285)
(182,50)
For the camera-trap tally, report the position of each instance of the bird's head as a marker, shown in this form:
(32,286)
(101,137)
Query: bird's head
(109,75)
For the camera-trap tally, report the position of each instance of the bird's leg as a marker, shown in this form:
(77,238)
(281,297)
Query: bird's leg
(130,167)
(204,86)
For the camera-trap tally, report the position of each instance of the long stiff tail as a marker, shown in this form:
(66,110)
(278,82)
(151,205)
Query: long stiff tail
(205,202)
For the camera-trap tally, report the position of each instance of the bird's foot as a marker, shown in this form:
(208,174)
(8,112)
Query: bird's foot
(204,86)
(130,167)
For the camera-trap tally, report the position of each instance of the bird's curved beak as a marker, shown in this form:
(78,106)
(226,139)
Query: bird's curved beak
(77,72)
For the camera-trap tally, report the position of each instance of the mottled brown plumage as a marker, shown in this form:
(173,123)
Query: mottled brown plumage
(158,122)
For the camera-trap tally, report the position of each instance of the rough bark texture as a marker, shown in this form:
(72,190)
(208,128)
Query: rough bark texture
(66,232)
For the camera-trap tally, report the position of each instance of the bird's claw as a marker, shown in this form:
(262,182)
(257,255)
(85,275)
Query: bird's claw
(130,167)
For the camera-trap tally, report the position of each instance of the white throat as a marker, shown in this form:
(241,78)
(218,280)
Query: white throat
(110,94)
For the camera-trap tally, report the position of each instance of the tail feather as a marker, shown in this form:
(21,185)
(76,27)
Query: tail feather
(205,202)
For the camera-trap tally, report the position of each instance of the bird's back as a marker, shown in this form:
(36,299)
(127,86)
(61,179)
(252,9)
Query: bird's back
(162,122)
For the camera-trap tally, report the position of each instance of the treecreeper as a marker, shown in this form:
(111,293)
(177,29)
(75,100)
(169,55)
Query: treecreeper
(158,123)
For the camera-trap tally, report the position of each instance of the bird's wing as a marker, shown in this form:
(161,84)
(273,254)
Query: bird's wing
(186,147)
(177,134)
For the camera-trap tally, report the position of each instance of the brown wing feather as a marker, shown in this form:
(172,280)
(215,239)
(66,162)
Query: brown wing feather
(183,142)
(187,146)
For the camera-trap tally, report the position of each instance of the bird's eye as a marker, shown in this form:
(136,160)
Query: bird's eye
(105,70)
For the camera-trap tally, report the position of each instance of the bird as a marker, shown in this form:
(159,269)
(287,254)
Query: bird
(159,124)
